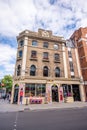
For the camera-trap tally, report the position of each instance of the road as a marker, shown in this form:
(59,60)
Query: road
(64,119)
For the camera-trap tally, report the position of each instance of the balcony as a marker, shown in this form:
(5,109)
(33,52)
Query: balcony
(56,60)
(33,58)
(19,58)
(45,59)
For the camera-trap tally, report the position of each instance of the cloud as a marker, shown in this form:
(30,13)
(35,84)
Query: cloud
(7,59)
(15,16)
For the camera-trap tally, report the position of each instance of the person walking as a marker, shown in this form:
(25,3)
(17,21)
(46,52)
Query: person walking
(21,95)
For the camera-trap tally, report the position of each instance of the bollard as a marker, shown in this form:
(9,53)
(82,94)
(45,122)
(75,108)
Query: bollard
(26,101)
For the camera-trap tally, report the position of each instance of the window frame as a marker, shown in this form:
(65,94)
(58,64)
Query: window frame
(20,53)
(58,72)
(32,70)
(45,44)
(45,55)
(33,54)
(34,43)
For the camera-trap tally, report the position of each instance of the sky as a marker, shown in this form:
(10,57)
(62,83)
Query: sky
(63,17)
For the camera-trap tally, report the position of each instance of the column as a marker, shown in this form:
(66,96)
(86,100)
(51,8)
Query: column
(82,94)
(65,61)
(78,64)
(24,56)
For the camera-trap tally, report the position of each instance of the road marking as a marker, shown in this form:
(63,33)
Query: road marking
(15,122)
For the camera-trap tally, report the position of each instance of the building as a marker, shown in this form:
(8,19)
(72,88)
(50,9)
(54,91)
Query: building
(47,69)
(80,39)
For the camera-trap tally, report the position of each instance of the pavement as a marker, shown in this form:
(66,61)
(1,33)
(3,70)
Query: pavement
(5,106)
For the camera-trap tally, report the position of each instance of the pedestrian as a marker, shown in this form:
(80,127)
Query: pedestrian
(21,95)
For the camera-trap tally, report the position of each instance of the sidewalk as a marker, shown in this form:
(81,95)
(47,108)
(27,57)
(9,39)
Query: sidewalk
(6,107)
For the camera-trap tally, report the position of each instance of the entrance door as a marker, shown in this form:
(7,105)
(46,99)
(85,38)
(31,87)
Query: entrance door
(16,90)
(54,93)
(76,93)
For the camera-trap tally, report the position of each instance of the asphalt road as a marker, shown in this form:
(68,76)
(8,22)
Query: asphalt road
(65,119)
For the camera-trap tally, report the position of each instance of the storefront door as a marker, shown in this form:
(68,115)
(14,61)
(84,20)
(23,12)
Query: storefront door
(76,93)
(16,90)
(54,93)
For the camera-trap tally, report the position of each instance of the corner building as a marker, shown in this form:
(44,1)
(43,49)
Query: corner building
(47,70)
(80,39)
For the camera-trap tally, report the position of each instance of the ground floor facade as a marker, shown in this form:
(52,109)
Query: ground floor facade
(43,91)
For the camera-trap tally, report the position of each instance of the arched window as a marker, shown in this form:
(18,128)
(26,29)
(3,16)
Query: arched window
(33,70)
(19,70)
(45,71)
(57,72)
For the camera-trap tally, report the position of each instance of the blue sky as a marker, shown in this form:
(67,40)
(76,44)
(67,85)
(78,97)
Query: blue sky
(63,17)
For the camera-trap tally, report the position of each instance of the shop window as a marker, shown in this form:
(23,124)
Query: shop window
(30,90)
(33,70)
(57,72)
(37,90)
(45,71)
(19,70)
(67,90)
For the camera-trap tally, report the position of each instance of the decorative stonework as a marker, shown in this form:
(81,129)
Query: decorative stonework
(45,34)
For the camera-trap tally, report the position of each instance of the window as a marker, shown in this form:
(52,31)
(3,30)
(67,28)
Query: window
(20,53)
(33,54)
(45,71)
(21,43)
(70,54)
(67,91)
(33,70)
(19,70)
(56,46)
(34,43)
(71,66)
(30,90)
(56,57)
(57,72)
(45,55)
(35,90)
(45,44)
(72,76)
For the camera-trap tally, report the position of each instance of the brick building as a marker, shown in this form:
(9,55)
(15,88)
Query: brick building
(47,69)
(80,39)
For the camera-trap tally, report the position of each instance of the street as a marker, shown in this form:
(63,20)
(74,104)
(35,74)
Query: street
(62,119)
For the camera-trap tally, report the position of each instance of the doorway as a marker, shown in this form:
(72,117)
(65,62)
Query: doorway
(76,93)
(55,93)
(16,91)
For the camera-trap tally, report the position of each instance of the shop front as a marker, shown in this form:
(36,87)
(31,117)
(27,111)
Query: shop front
(35,93)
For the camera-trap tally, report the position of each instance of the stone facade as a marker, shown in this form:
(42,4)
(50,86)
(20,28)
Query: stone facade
(43,71)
